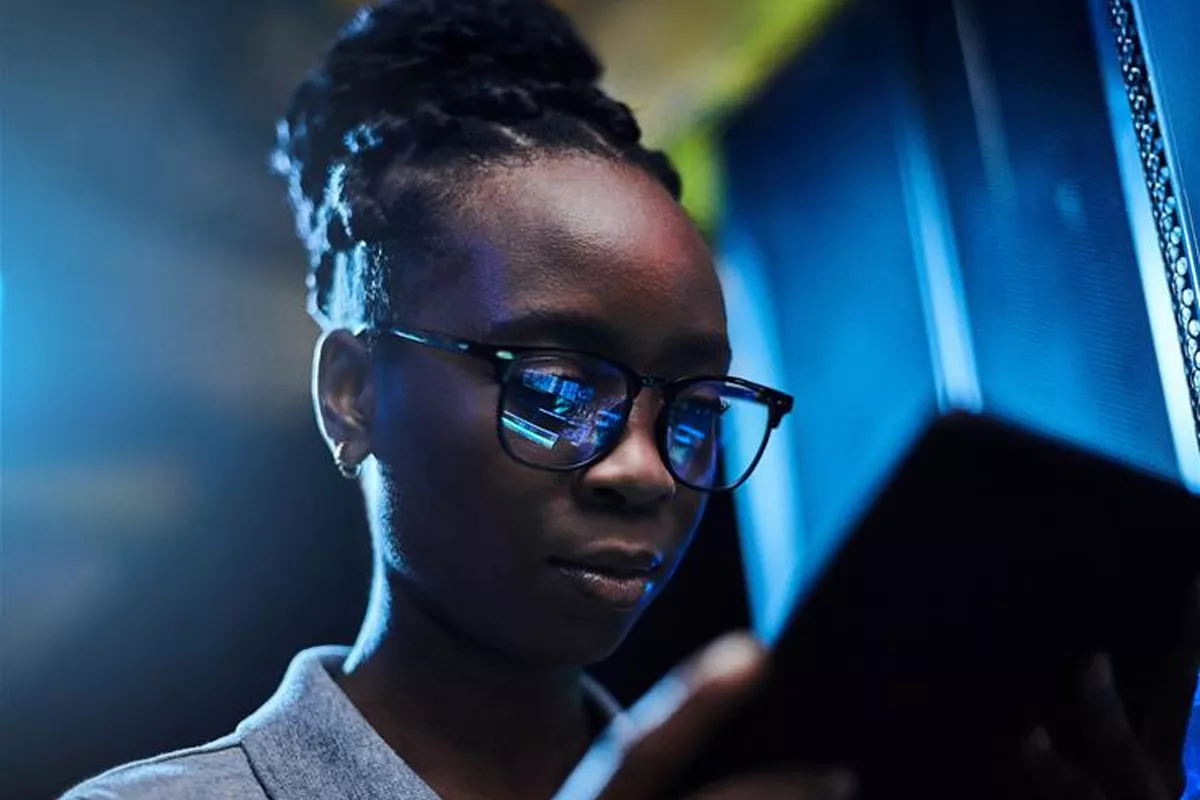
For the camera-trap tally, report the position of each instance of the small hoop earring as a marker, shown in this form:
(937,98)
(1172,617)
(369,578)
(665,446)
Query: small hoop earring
(348,471)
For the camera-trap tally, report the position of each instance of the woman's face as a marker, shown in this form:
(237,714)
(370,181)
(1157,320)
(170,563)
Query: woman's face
(571,252)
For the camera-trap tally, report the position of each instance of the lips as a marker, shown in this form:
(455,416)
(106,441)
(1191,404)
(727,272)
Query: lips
(619,577)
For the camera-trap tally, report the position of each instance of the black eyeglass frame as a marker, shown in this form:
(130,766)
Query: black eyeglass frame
(504,357)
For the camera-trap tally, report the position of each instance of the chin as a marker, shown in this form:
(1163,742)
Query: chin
(579,643)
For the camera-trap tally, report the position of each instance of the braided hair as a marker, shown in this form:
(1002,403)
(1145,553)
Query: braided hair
(381,139)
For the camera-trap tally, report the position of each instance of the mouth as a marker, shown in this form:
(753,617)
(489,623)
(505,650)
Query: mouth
(617,577)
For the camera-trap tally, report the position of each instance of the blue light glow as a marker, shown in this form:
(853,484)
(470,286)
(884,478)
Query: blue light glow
(527,430)
(1163,328)
(1,350)
(936,257)
(565,390)
(686,434)
(768,505)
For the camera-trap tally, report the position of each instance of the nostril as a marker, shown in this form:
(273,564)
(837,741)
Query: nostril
(608,497)
(632,499)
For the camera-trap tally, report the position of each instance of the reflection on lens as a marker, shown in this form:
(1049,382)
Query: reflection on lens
(560,410)
(529,431)
(700,424)
(563,410)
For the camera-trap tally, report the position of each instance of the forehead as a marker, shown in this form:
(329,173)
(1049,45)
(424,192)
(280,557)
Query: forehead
(590,238)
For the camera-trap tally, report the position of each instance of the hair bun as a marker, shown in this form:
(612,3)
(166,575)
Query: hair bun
(408,58)
(412,87)
(407,52)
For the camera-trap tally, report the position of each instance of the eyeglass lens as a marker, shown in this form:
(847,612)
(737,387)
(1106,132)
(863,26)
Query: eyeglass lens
(559,411)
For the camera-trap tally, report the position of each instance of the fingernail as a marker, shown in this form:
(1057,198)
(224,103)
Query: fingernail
(728,656)
(657,705)
(839,785)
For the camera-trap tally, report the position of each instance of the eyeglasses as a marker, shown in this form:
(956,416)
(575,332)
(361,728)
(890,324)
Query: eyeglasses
(562,410)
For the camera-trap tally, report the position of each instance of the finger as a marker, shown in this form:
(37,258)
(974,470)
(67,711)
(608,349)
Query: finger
(650,744)
(679,716)
(836,785)
(1053,778)
(1118,759)
(1166,725)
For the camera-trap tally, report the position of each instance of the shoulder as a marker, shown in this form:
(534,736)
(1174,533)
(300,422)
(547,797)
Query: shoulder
(219,770)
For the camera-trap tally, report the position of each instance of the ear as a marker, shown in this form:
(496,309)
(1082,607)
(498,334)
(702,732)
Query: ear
(344,394)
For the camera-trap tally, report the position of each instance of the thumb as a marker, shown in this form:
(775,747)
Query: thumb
(640,753)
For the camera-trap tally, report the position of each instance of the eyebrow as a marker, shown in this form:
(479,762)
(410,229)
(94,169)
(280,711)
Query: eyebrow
(577,331)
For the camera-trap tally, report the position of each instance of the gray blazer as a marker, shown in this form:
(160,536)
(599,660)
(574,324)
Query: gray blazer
(307,741)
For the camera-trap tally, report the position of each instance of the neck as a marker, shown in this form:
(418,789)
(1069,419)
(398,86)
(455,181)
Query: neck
(468,720)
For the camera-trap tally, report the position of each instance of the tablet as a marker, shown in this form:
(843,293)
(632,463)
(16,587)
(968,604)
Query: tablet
(961,610)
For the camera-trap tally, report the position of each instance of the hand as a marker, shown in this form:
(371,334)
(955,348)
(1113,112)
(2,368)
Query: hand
(635,759)
(1121,763)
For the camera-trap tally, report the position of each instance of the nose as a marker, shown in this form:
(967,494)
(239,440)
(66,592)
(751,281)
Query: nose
(632,476)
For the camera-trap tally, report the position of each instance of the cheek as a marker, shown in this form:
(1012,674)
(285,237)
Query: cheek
(424,415)
(691,508)
(450,488)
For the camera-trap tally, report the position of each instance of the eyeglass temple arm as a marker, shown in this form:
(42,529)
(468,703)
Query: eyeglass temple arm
(496,355)
(429,340)
(780,404)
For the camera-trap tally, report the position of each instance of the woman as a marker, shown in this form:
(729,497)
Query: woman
(498,266)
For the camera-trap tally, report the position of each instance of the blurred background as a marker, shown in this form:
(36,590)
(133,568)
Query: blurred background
(919,205)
